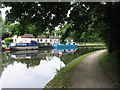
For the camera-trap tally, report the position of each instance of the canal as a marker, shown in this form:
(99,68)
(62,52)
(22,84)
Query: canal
(35,68)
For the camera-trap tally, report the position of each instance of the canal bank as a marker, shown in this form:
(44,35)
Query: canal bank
(63,78)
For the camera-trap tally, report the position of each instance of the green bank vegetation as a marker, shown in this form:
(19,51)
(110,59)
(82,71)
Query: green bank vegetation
(62,79)
(111,67)
(90,44)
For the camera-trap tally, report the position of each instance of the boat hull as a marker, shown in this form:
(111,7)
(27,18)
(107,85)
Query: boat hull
(65,46)
(25,48)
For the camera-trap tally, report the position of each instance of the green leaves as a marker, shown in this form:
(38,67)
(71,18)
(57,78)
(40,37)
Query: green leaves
(8,40)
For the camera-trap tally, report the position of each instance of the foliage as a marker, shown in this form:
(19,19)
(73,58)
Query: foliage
(110,66)
(5,31)
(5,35)
(90,36)
(8,40)
(44,16)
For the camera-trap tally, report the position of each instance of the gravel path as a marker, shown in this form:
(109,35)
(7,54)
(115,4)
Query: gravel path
(89,74)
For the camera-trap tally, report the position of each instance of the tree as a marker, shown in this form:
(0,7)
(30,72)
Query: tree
(44,16)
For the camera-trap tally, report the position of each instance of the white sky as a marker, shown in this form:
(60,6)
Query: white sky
(3,10)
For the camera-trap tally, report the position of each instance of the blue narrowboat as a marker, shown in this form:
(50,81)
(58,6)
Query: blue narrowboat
(24,46)
(68,45)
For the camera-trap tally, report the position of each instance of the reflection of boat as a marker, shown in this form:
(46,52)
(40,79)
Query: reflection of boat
(68,45)
(64,50)
(24,55)
(23,46)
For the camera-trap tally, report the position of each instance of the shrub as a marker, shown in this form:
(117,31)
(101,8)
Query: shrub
(8,40)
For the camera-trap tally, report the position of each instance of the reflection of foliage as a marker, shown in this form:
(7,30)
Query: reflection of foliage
(30,62)
(6,61)
(71,56)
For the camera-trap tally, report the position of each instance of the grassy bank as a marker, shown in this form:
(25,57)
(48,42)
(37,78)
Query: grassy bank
(61,80)
(90,44)
(110,67)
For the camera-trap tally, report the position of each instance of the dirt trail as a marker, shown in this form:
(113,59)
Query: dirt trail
(89,74)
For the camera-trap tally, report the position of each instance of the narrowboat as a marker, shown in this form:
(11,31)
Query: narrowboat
(68,45)
(24,46)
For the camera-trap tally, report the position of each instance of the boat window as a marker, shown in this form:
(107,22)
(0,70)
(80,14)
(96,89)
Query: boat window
(21,43)
(37,40)
(29,43)
(41,40)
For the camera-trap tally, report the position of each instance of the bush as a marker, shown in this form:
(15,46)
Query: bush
(8,40)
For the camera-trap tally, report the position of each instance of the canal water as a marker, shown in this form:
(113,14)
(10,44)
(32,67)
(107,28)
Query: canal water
(35,68)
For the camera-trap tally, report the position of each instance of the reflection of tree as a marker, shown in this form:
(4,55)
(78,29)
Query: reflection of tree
(41,55)
(71,56)
(30,62)
(6,61)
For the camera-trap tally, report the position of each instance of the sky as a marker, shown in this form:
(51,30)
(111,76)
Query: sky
(3,10)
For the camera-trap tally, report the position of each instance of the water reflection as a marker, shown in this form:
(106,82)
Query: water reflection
(30,69)
(33,68)
(17,75)
(64,50)
(24,54)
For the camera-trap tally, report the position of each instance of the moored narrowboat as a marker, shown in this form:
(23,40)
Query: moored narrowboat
(24,46)
(68,45)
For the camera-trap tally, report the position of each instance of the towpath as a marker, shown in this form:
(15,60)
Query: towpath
(89,74)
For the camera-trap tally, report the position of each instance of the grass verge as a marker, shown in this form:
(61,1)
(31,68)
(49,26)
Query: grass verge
(110,67)
(89,44)
(62,79)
